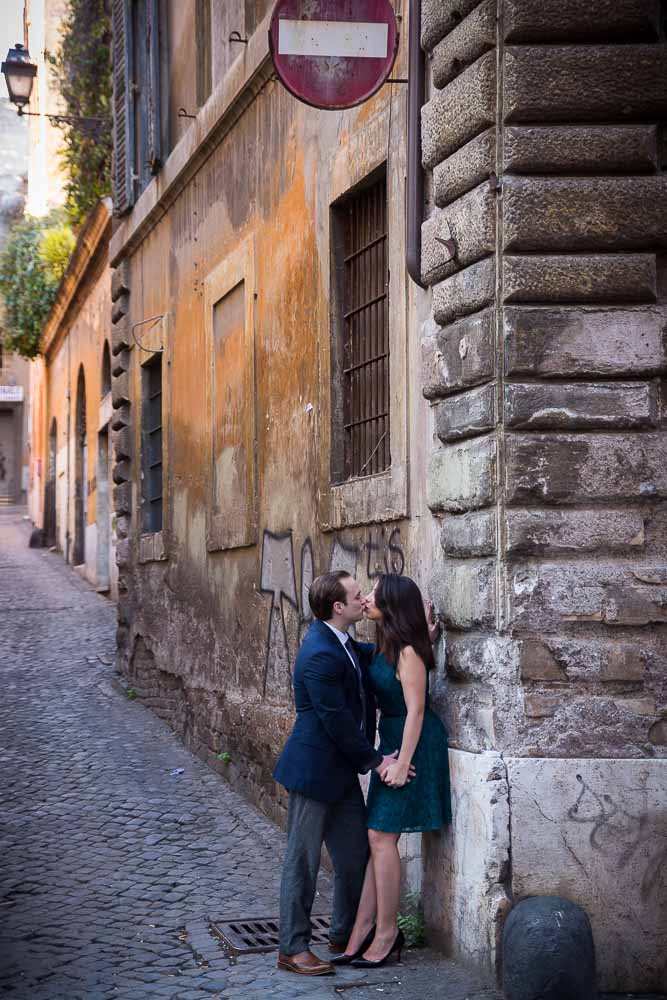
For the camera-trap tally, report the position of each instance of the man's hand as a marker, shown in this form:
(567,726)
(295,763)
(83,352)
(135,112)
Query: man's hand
(387,762)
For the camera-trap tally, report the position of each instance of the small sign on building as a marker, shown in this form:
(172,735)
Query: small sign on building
(11,393)
(333,54)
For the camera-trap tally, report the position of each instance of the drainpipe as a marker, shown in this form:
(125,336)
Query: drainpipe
(415,207)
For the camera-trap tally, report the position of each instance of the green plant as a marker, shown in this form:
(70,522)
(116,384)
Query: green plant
(131,693)
(55,249)
(31,265)
(411,921)
(225,757)
(82,67)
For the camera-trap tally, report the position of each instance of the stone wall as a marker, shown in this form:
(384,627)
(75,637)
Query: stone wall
(544,245)
(209,622)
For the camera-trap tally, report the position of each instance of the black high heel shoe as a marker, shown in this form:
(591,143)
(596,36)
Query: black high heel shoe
(345,959)
(397,946)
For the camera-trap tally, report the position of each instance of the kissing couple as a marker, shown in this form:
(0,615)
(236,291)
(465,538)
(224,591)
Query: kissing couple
(338,685)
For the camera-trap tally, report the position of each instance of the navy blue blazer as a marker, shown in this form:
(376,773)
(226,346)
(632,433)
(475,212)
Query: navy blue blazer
(327,747)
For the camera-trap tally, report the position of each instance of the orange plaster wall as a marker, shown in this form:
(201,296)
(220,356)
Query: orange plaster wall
(78,345)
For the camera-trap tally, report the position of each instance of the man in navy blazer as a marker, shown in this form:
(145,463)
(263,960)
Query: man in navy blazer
(331,743)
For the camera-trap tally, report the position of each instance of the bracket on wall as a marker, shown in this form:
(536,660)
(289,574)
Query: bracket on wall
(153,320)
(447,241)
(182,113)
(236,37)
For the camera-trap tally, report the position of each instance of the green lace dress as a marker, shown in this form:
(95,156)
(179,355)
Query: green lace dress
(424,802)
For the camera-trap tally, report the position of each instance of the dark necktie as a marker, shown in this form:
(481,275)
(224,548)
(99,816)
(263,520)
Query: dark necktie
(362,694)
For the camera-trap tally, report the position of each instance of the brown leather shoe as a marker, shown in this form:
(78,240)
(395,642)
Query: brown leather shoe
(336,947)
(305,964)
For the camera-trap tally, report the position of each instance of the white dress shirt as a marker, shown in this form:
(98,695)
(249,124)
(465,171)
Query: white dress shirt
(342,638)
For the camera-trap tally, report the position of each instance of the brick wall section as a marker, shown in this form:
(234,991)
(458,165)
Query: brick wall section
(545,248)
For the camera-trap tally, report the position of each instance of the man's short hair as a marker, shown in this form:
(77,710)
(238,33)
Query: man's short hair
(324,591)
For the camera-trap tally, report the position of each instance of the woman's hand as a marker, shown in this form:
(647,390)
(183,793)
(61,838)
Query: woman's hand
(432,622)
(396,775)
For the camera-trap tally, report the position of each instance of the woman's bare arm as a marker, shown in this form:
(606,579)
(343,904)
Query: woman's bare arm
(412,675)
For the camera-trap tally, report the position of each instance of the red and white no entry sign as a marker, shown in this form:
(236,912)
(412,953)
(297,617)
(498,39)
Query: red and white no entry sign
(333,54)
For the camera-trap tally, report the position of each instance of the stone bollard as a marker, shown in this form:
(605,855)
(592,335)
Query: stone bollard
(36,539)
(548,951)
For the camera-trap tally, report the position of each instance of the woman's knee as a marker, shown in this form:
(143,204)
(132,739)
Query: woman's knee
(381,841)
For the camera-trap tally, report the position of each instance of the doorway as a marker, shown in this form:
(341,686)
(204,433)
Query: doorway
(50,520)
(7,458)
(80,473)
(103,511)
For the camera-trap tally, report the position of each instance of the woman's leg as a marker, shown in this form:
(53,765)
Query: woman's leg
(366,912)
(387,870)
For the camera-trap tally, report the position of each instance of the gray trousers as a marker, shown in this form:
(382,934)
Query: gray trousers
(341,826)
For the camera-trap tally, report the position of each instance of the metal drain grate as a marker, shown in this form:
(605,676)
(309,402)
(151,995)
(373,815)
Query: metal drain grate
(261,933)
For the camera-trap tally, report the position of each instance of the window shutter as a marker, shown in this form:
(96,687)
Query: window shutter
(154,123)
(123,129)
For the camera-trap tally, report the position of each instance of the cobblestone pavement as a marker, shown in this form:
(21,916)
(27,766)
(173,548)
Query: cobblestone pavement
(112,865)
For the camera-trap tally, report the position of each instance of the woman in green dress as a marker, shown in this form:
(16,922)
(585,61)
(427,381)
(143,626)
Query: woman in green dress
(397,803)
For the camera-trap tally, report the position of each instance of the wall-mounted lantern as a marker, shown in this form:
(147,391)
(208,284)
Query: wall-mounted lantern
(19,73)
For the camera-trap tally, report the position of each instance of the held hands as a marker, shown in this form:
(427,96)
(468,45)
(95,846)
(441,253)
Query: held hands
(394,774)
(432,622)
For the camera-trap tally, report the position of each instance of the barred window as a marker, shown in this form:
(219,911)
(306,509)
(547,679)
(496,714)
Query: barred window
(151,433)
(360,403)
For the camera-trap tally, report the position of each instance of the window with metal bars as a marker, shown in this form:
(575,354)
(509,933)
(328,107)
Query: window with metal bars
(151,432)
(360,400)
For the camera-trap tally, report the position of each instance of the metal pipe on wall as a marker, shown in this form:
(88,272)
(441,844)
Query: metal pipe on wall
(415,206)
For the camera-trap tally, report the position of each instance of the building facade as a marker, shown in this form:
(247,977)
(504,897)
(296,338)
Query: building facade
(286,400)
(45,191)
(14,371)
(46,178)
(75,463)
(14,461)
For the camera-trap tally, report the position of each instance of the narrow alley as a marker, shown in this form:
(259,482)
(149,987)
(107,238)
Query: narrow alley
(117,847)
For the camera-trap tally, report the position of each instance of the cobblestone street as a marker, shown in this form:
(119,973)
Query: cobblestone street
(112,866)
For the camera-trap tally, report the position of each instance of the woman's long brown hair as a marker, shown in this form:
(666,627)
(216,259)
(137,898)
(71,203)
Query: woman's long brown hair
(403,619)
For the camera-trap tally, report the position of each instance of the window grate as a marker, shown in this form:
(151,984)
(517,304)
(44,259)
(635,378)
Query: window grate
(152,445)
(365,368)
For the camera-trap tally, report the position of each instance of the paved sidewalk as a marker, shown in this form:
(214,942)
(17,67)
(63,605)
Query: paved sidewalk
(111,865)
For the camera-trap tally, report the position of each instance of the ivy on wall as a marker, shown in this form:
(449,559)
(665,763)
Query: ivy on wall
(83,69)
(32,263)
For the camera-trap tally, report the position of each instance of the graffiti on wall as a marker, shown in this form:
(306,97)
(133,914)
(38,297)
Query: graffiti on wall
(290,614)
(619,834)
(383,553)
(279,580)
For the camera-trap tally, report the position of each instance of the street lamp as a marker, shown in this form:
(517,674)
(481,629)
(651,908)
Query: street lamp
(19,73)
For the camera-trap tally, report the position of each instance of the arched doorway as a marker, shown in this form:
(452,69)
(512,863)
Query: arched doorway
(106,370)
(80,472)
(50,526)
